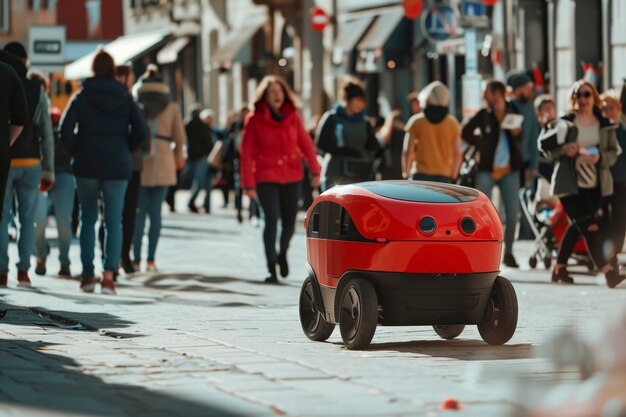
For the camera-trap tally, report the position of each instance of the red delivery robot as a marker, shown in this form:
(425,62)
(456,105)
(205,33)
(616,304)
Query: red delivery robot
(405,253)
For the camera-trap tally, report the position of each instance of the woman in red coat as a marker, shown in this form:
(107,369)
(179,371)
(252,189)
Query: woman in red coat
(273,146)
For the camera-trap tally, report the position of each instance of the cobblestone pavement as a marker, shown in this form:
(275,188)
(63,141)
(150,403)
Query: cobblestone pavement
(206,338)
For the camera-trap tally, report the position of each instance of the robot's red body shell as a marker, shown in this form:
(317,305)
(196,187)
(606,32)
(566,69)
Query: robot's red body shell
(373,230)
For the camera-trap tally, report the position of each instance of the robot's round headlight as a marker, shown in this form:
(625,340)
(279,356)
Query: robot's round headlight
(468,225)
(428,225)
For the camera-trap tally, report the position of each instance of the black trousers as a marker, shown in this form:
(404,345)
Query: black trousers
(278,201)
(582,210)
(617,215)
(5,164)
(130,214)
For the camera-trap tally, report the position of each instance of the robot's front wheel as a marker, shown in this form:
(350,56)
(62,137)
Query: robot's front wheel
(358,314)
(313,324)
(449,332)
(500,319)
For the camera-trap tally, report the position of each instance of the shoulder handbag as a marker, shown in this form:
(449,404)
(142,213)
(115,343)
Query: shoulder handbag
(215,157)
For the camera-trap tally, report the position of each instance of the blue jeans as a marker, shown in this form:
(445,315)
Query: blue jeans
(112,193)
(202,180)
(62,198)
(509,186)
(23,184)
(150,204)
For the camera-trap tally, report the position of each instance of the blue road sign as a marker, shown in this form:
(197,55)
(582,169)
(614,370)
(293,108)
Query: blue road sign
(439,23)
(473,8)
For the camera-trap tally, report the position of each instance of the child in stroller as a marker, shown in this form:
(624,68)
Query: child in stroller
(548,222)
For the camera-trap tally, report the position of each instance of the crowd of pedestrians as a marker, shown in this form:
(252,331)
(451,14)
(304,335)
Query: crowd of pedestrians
(121,149)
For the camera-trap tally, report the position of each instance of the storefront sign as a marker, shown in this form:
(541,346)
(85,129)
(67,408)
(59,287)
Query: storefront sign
(46,48)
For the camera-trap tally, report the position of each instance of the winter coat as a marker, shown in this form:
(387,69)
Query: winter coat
(166,149)
(350,147)
(35,144)
(564,177)
(272,150)
(200,139)
(100,128)
(488,136)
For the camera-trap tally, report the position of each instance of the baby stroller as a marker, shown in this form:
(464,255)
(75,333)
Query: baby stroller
(548,222)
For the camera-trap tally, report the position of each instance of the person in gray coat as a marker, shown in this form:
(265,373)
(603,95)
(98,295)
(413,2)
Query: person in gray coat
(582,179)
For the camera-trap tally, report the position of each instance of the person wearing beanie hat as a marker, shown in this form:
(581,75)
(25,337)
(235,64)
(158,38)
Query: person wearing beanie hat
(31,169)
(523,96)
(161,166)
(523,91)
(16,49)
(432,145)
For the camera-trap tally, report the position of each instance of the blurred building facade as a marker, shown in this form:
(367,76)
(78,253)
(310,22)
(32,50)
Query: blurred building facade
(216,51)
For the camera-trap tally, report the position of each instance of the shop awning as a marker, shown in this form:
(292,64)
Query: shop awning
(382,29)
(350,32)
(169,53)
(352,5)
(123,49)
(237,38)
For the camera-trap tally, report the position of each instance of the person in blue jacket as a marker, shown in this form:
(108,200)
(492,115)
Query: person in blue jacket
(101,127)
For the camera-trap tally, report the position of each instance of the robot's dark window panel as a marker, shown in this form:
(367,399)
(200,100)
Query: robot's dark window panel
(421,192)
(332,221)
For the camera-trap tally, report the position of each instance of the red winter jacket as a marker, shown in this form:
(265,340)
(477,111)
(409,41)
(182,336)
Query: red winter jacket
(272,151)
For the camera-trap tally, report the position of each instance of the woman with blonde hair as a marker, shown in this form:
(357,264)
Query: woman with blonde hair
(273,146)
(582,179)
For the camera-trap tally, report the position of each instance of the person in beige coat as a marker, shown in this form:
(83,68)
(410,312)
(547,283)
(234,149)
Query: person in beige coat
(167,133)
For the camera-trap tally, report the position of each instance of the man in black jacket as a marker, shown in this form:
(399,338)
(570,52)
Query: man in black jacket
(200,142)
(496,133)
(32,167)
(13,117)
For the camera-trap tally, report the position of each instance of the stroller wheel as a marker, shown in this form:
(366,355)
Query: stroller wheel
(547,261)
(532,262)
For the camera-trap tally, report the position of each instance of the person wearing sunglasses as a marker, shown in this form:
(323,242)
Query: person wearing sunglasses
(582,179)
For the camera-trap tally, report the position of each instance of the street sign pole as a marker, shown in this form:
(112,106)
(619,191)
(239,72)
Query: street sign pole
(473,17)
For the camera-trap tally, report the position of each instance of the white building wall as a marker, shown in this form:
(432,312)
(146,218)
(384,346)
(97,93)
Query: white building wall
(565,52)
(618,43)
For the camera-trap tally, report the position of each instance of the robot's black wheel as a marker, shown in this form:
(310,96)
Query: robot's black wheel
(449,332)
(500,319)
(547,261)
(313,324)
(358,314)
(532,262)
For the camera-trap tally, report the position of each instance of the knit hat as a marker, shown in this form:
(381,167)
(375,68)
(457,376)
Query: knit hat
(518,79)
(434,94)
(17,49)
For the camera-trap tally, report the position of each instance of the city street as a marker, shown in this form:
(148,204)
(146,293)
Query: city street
(205,337)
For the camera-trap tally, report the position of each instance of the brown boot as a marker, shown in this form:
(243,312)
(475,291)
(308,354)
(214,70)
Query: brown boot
(23,280)
(107,286)
(88,284)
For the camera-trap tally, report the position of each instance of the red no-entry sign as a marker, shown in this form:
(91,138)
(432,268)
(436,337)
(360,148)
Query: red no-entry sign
(413,8)
(319,19)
